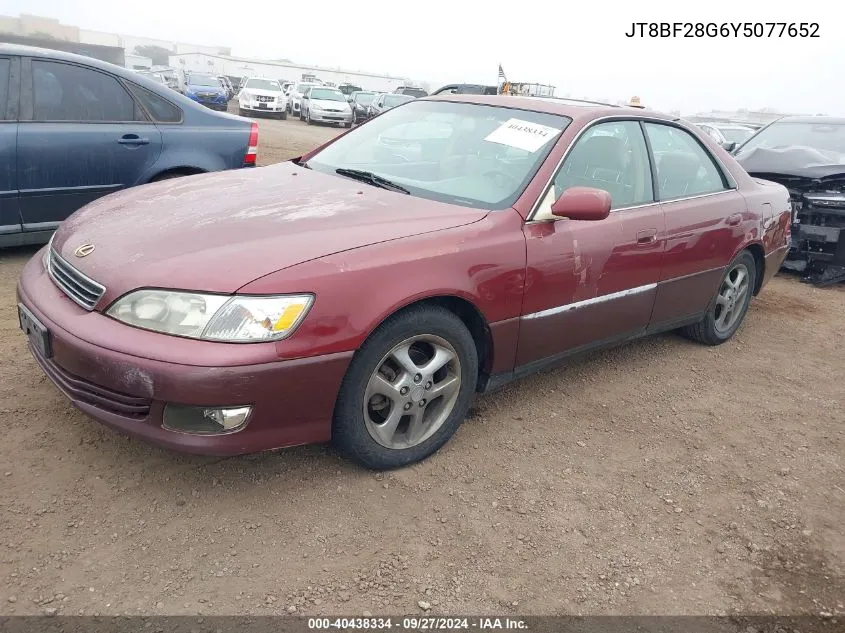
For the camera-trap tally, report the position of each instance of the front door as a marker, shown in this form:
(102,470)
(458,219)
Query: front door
(81,136)
(590,283)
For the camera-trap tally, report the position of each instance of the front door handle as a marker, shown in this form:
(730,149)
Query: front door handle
(133,139)
(735,219)
(647,236)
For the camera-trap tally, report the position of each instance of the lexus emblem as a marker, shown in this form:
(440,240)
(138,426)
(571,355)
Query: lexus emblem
(84,250)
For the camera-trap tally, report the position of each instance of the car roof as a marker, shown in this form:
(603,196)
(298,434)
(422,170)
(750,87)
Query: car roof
(725,124)
(91,62)
(551,105)
(829,120)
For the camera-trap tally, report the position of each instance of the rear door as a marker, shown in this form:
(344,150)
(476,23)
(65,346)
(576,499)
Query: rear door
(10,219)
(81,136)
(705,223)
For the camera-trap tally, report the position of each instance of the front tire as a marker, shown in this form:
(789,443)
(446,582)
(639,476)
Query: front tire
(728,308)
(308,118)
(284,115)
(407,390)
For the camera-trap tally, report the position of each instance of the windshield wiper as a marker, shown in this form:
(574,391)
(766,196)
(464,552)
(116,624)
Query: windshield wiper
(371,178)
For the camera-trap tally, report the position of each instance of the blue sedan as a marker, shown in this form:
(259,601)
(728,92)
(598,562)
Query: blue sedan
(206,89)
(73,129)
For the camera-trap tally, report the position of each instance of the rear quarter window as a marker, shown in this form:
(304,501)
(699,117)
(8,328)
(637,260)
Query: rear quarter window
(159,108)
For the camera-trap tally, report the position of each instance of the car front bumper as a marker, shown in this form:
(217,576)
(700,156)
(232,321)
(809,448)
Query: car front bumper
(262,106)
(321,116)
(292,400)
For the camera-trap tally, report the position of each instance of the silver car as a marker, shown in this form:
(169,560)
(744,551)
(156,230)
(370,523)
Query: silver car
(325,105)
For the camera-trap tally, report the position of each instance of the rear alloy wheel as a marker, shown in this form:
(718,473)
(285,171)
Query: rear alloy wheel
(407,390)
(728,308)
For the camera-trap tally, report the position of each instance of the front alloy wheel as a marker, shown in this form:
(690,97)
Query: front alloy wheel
(412,391)
(407,390)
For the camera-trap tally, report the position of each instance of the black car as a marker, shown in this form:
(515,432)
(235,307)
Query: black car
(387,100)
(807,156)
(466,89)
(360,102)
(416,93)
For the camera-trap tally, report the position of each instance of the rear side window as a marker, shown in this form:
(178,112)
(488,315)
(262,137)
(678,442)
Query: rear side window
(4,85)
(684,167)
(64,92)
(160,109)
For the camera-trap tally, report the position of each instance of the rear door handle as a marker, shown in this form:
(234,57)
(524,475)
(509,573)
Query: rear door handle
(647,236)
(133,139)
(735,219)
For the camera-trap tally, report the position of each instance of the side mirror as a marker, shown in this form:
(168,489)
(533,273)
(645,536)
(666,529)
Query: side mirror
(582,203)
(729,146)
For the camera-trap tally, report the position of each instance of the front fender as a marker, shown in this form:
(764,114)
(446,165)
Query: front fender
(356,290)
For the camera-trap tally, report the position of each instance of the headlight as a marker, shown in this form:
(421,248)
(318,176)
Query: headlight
(314,106)
(234,319)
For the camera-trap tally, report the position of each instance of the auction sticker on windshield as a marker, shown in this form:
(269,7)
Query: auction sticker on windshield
(522,135)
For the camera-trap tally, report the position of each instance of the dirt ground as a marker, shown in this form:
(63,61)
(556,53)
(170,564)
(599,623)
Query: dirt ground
(661,477)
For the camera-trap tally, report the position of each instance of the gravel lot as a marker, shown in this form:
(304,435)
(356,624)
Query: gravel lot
(660,477)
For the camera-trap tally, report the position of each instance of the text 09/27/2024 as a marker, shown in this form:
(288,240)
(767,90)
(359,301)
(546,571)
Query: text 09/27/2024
(724,29)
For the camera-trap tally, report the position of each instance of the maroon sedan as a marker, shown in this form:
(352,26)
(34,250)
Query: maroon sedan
(365,291)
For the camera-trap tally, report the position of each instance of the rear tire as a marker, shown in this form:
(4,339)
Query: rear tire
(727,309)
(371,426)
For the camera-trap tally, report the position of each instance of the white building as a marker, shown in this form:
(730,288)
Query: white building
(238,67)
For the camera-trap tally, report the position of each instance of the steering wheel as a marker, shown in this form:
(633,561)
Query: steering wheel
(501,179)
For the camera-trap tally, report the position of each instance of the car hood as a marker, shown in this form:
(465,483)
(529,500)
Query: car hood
(328,104)
(799,161)
(218,232)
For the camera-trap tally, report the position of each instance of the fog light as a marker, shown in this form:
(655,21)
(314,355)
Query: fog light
(205,420)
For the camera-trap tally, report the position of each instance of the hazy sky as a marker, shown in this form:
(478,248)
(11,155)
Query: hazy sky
(579,47)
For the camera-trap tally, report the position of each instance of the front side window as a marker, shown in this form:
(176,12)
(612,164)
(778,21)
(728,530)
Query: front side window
(467,154)
(823,136)
(613,157)
(65,92)
(684,167)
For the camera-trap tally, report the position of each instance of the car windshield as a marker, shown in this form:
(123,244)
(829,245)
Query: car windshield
(735,134)
(415,92)
(203,80)
(327,94)
(826,137)
(263,84)
(460,153)
(391,101)
(364,98)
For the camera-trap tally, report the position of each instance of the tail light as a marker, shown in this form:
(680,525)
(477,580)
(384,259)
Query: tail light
(252,150)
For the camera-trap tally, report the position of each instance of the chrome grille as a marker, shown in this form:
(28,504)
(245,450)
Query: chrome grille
(263,99)
(80,288)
